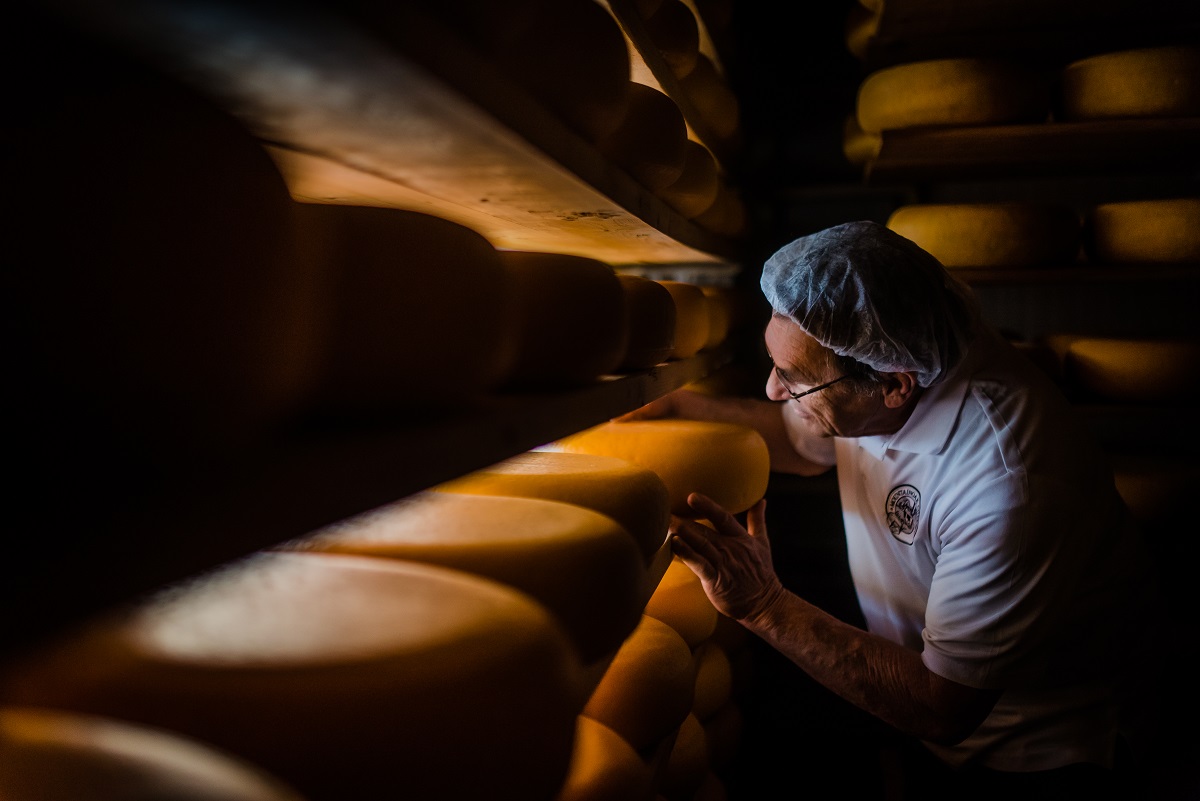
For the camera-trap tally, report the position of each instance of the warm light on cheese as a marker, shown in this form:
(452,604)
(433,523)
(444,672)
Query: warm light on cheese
(949,92)
(604,767)
(1144,82)
(647,690)
(651,142)
(345,677)
(695,190)
(858,146)
(727,462)
(1161,231)
(1013,234)
(47,755)
(674,32)
(569,318)
(714,680)
(691,318)
(632,495)
(680,602)
(1132,370)
(713,98)
(687,763)
(582,565)
(727,215)
(650,320)
(720,314)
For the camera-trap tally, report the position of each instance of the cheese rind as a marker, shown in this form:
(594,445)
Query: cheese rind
(729,463)
(1137,83)
(695,189)
(1131,370)
(691,318)
(651,142)
(680,602)
(650,321)
(1160,231)
(714,680)
(604,767)
(1013,234)
(687,764)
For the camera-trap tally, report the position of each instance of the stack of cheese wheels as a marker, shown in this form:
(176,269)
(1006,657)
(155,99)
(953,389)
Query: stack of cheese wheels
(1130,369)
(687,763)
(675,34)
(695,190)
(679,601)
(605,767)
(651,142)
(581,565)
(691,318)
(646,692)
(650,323)
(713,98)
(343,676)
(569,318)
(725,461)
(632,495)
(951,92)
(1145,82)
(1158,231)
(388,345)
(162,290)
(720,314)
(1012,234)
(48,755)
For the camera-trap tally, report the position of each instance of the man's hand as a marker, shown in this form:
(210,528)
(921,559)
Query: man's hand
(733,564)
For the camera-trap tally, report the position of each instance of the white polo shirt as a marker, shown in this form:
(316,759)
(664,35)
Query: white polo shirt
(988,534)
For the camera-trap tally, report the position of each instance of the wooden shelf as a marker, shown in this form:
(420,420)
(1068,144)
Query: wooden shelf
(1059,148)
(152,532)
(415,120)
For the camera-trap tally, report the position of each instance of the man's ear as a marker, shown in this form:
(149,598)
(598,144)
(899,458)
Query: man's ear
(899,389)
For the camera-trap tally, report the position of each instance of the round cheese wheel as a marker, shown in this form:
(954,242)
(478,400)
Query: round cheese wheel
(343,676)
(604,767)
(650,144)
(389,346)
(727,462)
(646,692)
(581,565)
(163,294)
(858,146)
(47,755)
(691,318)
(862,24)
(680,602)
(569,316)
(675,34)
(1144,82)
(713,98)
(632,495)
(650,322)
(951,92)
(727,215)
(695,190)
(1016,234)
(1158,231)
(1134,370)
(720,314)
(723,732)
(687,764)
(714,680)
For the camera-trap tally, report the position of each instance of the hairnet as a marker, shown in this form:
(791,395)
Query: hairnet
(864,291)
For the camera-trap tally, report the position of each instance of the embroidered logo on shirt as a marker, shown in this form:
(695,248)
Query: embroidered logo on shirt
(903,509)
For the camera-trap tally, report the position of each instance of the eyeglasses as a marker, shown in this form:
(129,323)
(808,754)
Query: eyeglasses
(798,395)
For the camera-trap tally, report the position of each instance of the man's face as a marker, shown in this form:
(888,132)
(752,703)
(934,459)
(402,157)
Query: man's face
(802,363)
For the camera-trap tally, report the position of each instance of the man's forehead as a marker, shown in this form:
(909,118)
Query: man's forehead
(787,340)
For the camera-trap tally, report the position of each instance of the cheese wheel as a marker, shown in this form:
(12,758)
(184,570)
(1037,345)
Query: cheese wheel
(714,680)
(723,733)
(163,297)
(862,24)
(581,565)
(604,767)
(390,347)
(680,602)
(47,755)
(647,690)
(1162,231)
(713,98)
(1016,234)
(727,215)
(569,317)
(695,190)
(632,495)
(1134,370)
(691,318)
(712,788)
(858,146)
(650,322)
(650,144)
(345,677)
(1144,82)
(673,30)
(727,462)
(951,92)
(687,764)
(720,315)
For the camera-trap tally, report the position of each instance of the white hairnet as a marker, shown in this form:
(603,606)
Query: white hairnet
(864,291)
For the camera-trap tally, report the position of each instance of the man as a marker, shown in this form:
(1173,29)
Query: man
(1002,583)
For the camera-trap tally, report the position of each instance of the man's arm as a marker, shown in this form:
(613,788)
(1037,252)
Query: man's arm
(883,678)
(789,450)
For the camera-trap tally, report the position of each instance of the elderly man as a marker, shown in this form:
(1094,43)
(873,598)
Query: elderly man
(1004,588)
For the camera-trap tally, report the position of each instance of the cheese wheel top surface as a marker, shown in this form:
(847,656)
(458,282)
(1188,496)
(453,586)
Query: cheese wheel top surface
(727,462)
(632,495)
(48,755)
